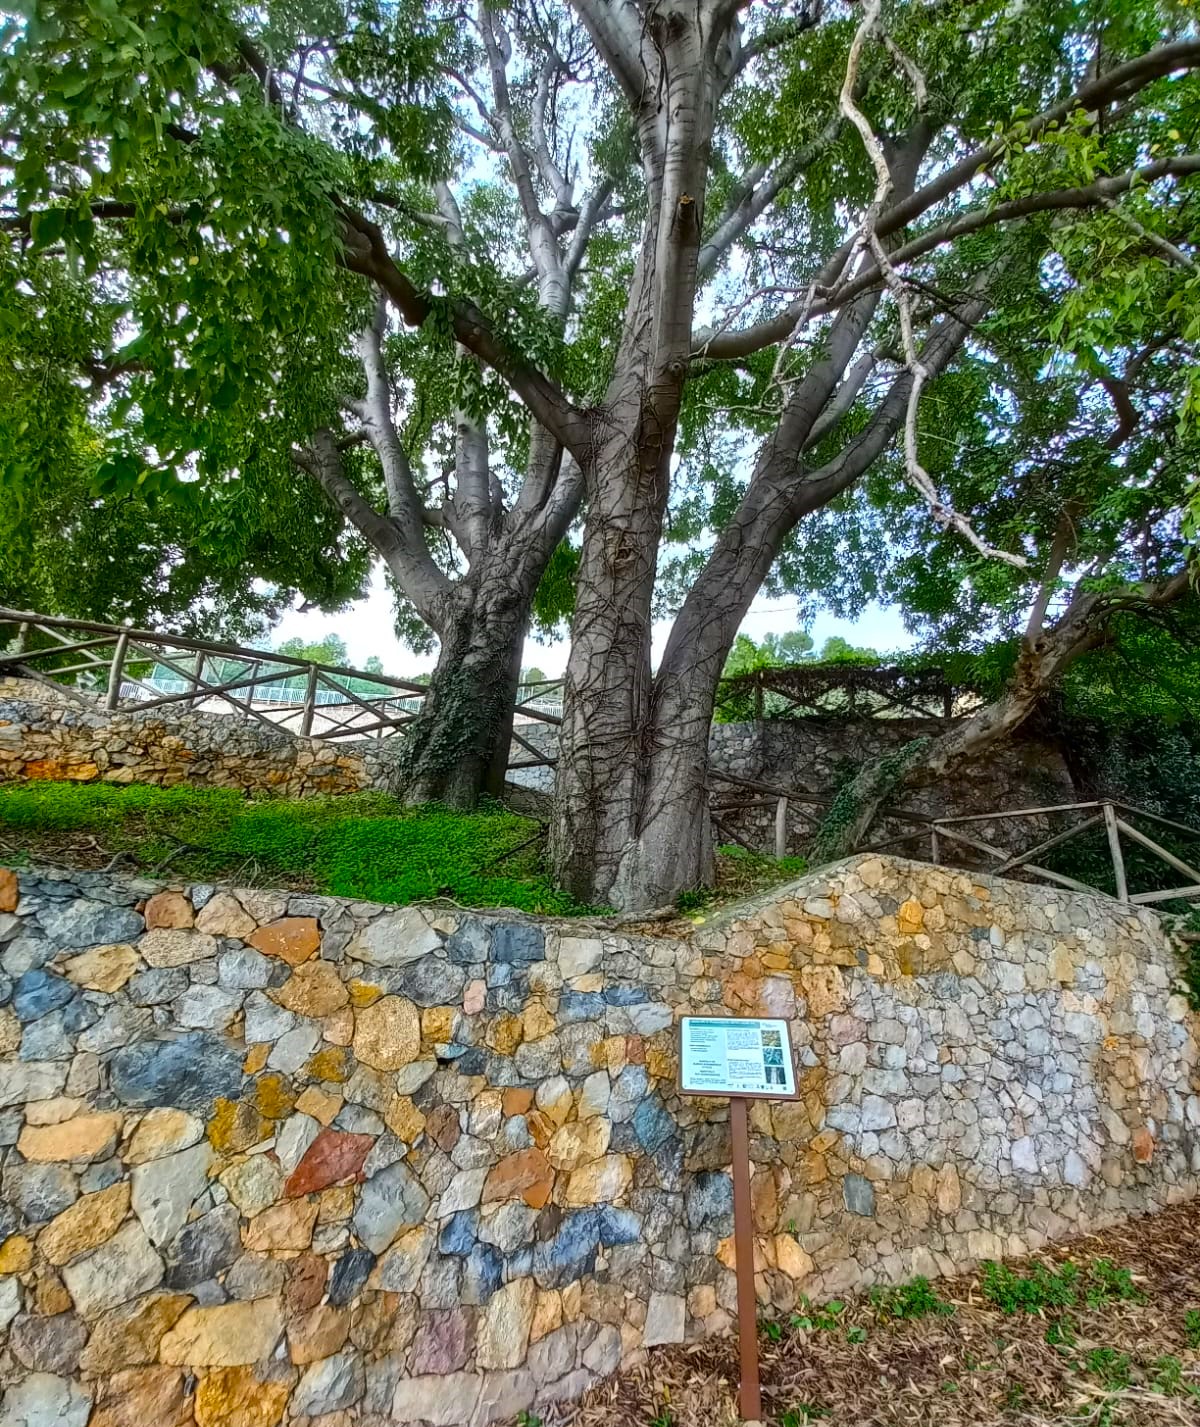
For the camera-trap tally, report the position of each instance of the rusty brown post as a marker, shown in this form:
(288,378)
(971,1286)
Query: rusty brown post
(750,1396)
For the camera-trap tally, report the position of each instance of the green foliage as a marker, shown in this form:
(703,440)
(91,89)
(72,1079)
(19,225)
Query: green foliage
(872,782)
(1014,1292)
(802,1414)
(365,846)
(909,1300)
(1044,1287)
(1191,1327)
(1110,1366)
(330,650)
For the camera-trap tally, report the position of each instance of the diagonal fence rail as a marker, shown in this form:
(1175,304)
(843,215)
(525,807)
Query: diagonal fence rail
(1107,813)
(116,667)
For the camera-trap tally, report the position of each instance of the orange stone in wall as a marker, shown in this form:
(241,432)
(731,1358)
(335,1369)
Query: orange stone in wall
(333,1156)
(1143,1145)
(8,890)
(292,939)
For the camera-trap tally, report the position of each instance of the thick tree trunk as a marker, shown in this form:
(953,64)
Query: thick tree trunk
(456,750)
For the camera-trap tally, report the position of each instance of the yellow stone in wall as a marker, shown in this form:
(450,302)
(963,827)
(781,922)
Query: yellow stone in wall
(235,1397)
(84,1137)
(103,968)
(332,1065)
(437,1024)
(274,1097)
(547,1314)
(387,1035)
(256,1058)
(16,1254)
(910,918)
(791,1259)
(236,1125)
(824,990)
(322,1105)
(537,1022)
(224,1335)
(88,1223)
(505,1034)
(404,1119)
(363,993)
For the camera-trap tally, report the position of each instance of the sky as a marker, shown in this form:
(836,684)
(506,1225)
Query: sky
(367,629)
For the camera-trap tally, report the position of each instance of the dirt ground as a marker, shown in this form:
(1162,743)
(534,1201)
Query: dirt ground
(1124,1353)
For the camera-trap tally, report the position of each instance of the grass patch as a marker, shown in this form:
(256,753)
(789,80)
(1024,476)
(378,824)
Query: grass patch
(740,874)
(366,845)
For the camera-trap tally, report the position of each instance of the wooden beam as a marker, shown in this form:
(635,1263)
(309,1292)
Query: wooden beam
(1169,857)
(1058,877)
(1019,813)
(1049,842)
(1154,818)
(1114,848)
(1188,894)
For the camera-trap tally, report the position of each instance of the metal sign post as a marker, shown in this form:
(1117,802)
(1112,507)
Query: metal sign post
(744,1058)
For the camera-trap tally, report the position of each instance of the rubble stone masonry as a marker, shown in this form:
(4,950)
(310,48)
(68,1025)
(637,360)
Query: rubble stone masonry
(270,1157)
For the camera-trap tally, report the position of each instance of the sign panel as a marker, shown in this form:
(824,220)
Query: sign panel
(734,1055)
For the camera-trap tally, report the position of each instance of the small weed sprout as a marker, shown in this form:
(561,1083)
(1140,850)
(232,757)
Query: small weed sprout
(802,1414)
(917,1299)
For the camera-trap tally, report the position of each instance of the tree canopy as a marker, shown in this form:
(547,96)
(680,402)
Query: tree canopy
(881,300)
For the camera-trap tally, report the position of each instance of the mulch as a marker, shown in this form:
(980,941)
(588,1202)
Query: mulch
(978,1366)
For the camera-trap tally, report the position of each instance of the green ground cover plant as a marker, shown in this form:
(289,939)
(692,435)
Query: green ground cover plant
(367,845)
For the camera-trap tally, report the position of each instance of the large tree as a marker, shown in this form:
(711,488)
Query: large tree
(795,222)
(198,164)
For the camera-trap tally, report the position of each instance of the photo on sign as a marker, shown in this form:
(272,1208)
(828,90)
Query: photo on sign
(772,1057)
(774,1075)
(772,1038)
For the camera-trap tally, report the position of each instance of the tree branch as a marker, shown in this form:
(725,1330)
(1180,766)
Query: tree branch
(365,251)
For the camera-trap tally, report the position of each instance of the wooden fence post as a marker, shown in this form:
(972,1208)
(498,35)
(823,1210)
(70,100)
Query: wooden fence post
(310,702)
(1114,847)
(113,697)
(781,812)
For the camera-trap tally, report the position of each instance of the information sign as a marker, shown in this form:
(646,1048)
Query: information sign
(720,1055)
(746,1058)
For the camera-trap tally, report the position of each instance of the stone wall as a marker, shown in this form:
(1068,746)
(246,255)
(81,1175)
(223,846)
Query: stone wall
(265,1155)
(818,754)
(55,739)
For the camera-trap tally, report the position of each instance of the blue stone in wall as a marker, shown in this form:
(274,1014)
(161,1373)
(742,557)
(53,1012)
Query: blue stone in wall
(483,1273)
(652,1124)
(472,1062)
(709,1201)
(617,1226)
(460,1233)
(350,1273)
(580,1006)
(469,944)
(625,996)
(571,1253)
(188,1073)
(518,1265)
(37,993)
(859,1195)
(515,942)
